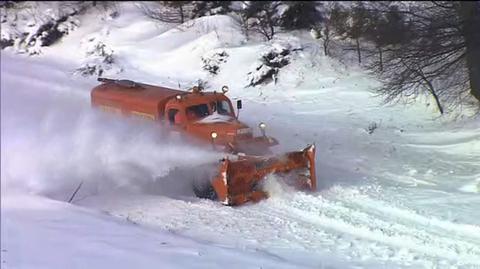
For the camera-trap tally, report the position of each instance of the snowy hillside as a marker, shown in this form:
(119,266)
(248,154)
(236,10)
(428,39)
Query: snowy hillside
(399,186)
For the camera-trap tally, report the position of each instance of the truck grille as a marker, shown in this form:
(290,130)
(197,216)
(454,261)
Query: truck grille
(244,131)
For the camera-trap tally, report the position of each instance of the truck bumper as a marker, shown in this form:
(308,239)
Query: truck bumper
(254,146)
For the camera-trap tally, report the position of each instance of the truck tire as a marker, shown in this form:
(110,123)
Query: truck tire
(204,189)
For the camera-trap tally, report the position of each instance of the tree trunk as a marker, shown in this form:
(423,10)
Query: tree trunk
(430,88)
(326,39)
(75,192)
(272,30)
(470,14)
(435,96)
(325,46)
(245,28)
(358,51)
(180,7)
(381,58)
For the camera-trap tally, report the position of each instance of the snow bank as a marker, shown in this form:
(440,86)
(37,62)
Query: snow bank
(29,26)
(180,50)
(41,233)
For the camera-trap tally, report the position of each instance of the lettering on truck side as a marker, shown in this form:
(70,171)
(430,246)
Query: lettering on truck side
(111,109)
(143,115)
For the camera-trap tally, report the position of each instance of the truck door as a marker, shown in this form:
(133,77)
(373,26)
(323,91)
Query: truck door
(176,117)
(175,121)
(172,115)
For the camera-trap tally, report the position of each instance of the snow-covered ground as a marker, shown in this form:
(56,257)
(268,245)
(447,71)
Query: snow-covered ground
(402,195)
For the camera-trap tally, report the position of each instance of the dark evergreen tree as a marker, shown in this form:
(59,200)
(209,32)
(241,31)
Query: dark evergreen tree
(469,13)
(206,8)
(300,15)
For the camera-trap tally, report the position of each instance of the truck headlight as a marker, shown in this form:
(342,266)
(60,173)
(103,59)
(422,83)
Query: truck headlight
(262,127)
(213,135)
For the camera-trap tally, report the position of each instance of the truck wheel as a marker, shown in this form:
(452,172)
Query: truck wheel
(204,189)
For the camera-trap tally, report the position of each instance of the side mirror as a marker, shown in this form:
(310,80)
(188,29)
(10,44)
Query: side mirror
(239,104)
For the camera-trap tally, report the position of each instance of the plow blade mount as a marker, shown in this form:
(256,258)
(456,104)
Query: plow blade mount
(237,181)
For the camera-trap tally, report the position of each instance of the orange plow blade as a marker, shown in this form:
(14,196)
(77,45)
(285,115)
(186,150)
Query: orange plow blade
(237,180)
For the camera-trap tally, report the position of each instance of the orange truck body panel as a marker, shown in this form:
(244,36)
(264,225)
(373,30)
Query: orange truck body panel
(148,99)
(237,181)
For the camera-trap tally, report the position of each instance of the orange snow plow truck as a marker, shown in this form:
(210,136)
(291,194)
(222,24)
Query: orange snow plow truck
(209,117)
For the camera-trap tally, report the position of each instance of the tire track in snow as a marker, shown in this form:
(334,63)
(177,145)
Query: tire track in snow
(341,216)
(313,224)
(380,208)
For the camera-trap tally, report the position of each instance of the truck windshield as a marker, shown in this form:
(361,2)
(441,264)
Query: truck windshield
(222,107)
(197,111)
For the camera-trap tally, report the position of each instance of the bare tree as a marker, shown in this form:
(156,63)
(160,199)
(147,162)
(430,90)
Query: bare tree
(325,31)
(180,7)
(167,11)
(357,25)
(386,29)
(350,24)
(324,34)
(434,55)
(241,16)
(262,17)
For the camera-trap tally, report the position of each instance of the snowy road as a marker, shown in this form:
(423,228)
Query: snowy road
(341,221)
